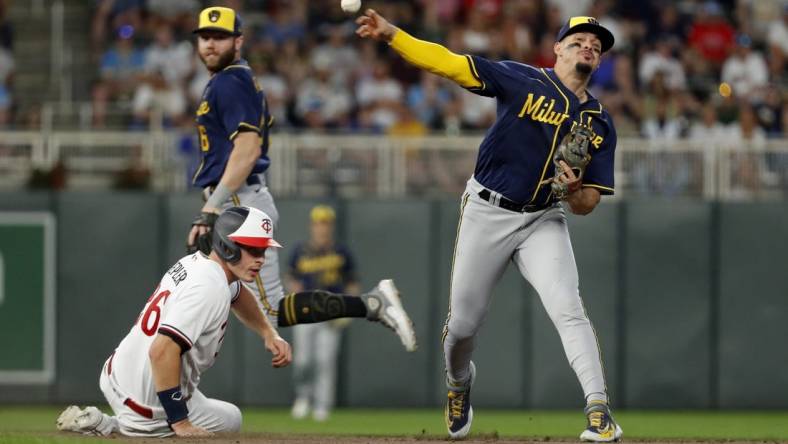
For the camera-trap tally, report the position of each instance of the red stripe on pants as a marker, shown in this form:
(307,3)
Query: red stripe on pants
(140,410)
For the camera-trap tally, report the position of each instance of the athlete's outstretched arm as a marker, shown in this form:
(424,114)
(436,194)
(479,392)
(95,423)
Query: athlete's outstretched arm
(247,311)
(432,57)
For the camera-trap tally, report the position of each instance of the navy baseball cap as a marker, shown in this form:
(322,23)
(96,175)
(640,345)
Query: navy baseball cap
(218,18)
(586,24)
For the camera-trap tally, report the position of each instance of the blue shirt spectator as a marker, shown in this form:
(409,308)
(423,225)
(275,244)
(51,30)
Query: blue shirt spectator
(122,61)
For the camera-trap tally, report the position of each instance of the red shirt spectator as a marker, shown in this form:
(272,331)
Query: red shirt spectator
(545,55)
(711,35)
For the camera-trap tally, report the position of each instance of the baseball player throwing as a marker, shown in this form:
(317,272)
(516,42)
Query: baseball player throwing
(233,122)
(551,142)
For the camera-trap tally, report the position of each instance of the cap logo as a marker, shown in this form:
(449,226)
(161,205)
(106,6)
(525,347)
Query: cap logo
(214,15)
(266,225)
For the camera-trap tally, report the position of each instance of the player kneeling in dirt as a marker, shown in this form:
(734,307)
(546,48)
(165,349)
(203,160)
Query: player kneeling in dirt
(150,381)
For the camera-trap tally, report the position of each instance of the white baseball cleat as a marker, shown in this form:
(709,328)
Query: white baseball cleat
(320,415)
(384,305)
(87,421)
(300,408)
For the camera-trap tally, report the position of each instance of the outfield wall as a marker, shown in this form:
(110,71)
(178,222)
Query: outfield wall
(688,300)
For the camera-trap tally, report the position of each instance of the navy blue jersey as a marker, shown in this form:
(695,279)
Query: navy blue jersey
(232,102)
(535,111)
(330,269)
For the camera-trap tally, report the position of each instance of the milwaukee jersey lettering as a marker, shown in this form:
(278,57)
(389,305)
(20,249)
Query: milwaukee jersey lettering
(535,111)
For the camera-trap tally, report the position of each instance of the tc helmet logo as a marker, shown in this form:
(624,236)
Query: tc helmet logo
(214,15)
(266,225)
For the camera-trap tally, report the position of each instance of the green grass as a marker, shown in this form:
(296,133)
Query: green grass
(29,425)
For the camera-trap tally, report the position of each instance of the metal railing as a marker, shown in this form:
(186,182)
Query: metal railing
(380,166)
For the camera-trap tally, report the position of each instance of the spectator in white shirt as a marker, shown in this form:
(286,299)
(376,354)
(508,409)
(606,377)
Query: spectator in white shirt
(167,65)
(663,126)
(663,172)
(156,94)
(745,70)
(571,8)
(476,37)
(708,130)
(341,57)
(323,102)
(661,59)
(173,59)
(379,97)
(745,132)
(477,112)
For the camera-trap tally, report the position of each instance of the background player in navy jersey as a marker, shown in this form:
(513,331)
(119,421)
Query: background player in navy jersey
(319,263)
(233,124)
(509,211)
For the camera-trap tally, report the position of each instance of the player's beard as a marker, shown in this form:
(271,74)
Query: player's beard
(584,69)
(224,60)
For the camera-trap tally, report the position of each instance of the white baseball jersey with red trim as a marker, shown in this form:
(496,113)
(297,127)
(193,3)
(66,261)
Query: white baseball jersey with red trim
(191,306)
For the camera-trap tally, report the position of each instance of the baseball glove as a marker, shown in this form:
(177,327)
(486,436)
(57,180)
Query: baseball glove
(204,240)
(573,150)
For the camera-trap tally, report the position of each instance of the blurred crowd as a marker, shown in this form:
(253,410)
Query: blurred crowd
(681,69)
(712,73)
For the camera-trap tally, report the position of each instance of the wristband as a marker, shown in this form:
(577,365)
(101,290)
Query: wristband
(174,404)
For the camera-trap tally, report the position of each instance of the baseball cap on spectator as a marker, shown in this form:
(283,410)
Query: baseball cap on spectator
(218,18)
(586,24)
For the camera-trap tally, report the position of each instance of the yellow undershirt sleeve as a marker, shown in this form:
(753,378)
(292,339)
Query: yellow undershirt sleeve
(436,59)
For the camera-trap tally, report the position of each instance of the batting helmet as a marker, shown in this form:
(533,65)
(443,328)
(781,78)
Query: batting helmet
(239,226)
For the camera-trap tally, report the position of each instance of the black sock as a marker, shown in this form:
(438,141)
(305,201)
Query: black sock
(309,307)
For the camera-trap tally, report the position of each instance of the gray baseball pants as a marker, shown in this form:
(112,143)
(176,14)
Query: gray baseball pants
(488,237)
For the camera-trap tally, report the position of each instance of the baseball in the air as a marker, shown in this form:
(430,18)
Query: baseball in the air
(351,6)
